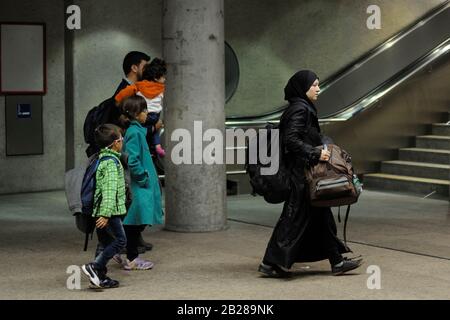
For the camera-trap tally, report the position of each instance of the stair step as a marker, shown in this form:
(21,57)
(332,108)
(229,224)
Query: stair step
(416,169)
(433,142)
(382,181)
(239,182)
(425,155)
(441,129)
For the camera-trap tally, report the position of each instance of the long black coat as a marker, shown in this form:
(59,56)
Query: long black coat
(300,232)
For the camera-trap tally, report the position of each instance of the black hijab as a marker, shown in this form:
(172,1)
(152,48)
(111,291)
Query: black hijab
(299,84)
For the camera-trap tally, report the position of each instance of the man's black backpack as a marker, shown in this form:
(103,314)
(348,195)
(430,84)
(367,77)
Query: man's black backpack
(275,188)
(105,112)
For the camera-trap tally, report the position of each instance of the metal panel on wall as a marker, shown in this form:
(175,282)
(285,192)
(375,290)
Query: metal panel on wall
(22,58)
(24,129)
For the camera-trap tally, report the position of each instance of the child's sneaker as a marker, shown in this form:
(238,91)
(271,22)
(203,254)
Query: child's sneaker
(93,275)
(160,151)
(138,264)
(108,283)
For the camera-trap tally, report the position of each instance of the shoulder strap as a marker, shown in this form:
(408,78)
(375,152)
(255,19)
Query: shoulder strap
(86,240)
(345,224)
(108,158)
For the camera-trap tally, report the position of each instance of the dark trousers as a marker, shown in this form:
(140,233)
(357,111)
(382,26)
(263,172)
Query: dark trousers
(133,234)
(112,240)
(329,243)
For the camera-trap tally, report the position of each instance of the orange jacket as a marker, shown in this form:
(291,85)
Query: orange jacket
(149,89)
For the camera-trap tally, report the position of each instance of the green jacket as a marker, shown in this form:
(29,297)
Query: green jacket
(109,197)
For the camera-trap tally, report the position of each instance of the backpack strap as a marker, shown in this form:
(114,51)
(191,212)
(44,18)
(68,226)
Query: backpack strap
(86,240)
(108,158)
(345,225)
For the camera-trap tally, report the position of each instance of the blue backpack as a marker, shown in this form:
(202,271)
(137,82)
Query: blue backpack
(84,220)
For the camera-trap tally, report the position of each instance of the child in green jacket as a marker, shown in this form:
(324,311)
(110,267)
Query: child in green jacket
(109,205)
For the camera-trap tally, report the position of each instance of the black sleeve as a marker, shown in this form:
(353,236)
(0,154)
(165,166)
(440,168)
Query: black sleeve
(295,130)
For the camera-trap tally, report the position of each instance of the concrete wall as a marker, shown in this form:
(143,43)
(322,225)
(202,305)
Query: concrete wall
(273,40)
(39,172)
(110,29)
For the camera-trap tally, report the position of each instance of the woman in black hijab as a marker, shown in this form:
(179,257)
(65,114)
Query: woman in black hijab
(303,233)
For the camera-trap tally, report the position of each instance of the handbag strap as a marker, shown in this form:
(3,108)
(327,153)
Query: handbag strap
(345,225)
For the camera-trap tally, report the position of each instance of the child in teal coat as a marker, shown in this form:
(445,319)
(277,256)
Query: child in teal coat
(146,206)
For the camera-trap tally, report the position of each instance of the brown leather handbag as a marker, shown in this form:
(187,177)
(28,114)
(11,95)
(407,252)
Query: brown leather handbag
(333,183)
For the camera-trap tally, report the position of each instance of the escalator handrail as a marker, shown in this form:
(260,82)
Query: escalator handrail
(383,89)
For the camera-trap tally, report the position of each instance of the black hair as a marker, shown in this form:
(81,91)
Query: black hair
(106,134)
(133,58)
(131,107)
(154,70)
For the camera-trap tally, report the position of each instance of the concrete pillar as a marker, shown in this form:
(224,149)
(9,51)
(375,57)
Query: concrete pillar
(193,46)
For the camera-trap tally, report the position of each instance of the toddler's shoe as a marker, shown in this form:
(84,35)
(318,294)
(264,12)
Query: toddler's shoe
(160,151)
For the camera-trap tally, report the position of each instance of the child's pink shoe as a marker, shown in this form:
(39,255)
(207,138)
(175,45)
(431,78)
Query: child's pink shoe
(160,151)
(138,264)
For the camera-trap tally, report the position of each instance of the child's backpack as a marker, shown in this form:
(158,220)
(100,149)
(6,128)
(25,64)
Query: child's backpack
(274,188)
(334,183)
(80,189)
(85,221)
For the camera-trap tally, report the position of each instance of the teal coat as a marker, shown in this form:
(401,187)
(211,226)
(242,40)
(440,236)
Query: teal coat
(146,203)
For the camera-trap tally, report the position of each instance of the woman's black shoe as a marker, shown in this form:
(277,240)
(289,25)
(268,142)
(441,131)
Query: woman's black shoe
(273,271)
(347,265)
